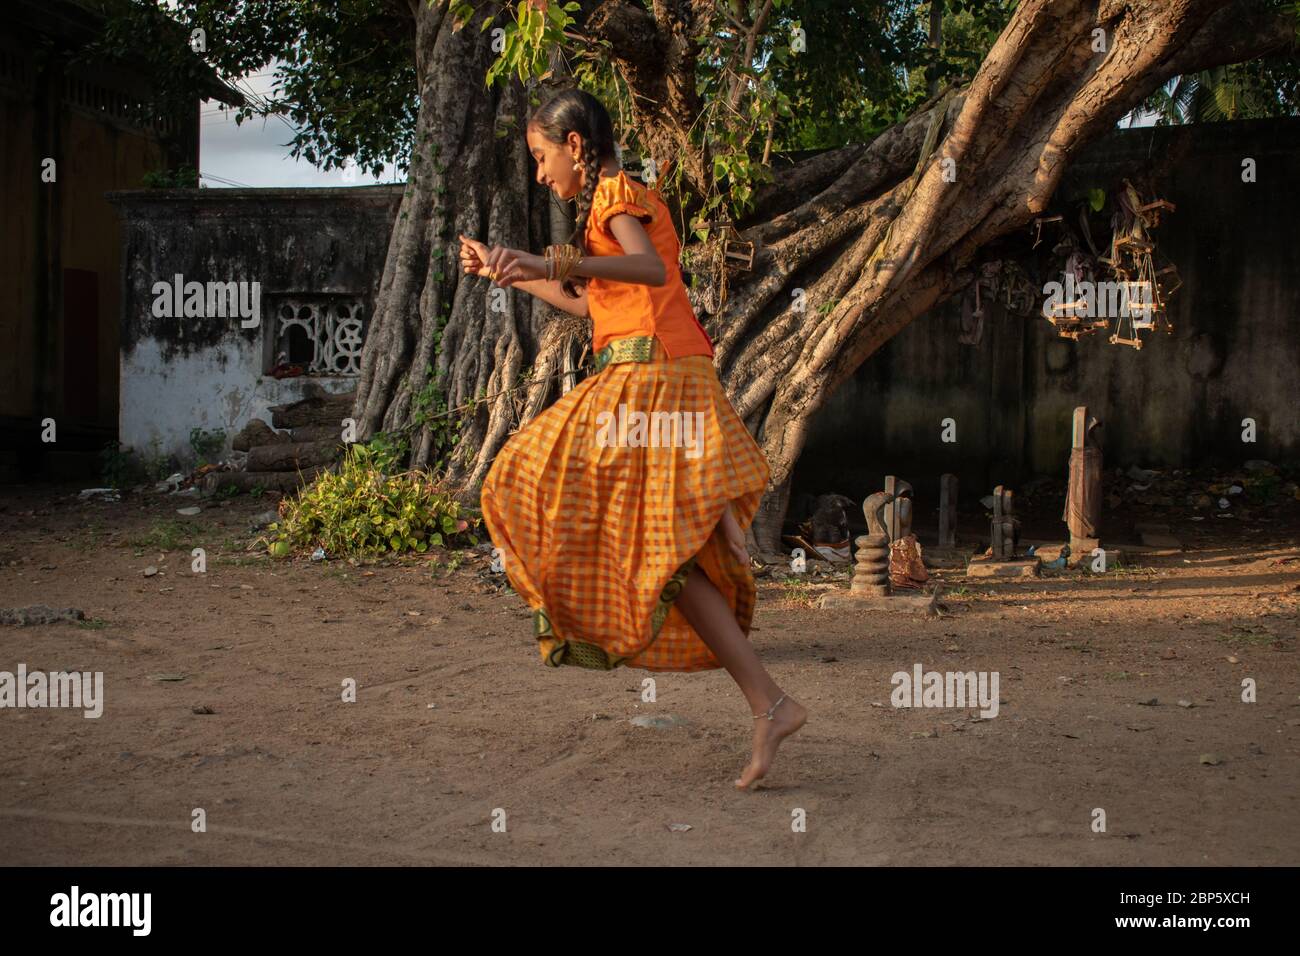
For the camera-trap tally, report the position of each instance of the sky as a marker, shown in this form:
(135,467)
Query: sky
(255,152)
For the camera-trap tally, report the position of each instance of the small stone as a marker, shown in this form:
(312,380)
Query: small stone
(190,511)
(1148,703)
(654,722)
(679,827)
(1211,760)
(1185,703)
(259,521)
(202,709)
(150,571)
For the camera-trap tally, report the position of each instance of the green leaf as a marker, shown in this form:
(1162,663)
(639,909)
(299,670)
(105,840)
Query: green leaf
(1096,199)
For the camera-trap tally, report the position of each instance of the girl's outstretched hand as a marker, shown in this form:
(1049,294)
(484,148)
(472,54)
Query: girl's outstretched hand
(515,265)
(474,257)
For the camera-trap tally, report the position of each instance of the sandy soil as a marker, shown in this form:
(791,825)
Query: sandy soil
(455,716)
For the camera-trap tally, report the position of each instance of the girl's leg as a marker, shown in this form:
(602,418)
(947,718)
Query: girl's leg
(711,617)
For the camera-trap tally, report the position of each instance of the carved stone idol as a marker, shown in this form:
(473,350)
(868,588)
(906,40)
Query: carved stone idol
(871,573)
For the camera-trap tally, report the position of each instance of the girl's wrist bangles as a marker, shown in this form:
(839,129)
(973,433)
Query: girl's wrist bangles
(560,261)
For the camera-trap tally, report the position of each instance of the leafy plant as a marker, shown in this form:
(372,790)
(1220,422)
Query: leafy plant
(362,511)
(528,40)
(167,535)
(207,445)
(120,467)
(184,176)
(388,451)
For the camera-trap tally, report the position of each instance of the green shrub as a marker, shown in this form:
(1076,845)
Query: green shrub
(183,176)
(123,467)
(389,451)
(120,467)
(207,445)
(362,511)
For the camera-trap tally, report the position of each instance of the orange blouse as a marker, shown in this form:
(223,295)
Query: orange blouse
(620,309)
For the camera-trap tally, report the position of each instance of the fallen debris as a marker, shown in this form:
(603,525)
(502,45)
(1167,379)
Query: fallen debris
(39,614)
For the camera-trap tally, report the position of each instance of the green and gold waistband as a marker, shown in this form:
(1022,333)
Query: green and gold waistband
(636,348)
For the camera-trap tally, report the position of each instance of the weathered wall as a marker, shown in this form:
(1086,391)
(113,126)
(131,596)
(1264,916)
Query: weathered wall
(1179,401)
(184,373)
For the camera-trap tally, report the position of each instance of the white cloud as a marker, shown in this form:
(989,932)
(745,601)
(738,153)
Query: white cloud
(255,152)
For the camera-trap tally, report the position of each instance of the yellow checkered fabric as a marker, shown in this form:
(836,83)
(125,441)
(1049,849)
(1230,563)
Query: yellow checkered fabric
(598,538)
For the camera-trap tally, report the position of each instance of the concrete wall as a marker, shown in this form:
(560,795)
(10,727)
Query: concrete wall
(1179,401)
(183,373)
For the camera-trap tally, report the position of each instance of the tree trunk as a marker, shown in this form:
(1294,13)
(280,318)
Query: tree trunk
(850,246)
(470,174)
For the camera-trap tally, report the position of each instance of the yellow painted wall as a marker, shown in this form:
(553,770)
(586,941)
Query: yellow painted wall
(96,156)
(19,176)
(99,158)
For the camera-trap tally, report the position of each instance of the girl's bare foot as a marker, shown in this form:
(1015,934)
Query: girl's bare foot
(788,717)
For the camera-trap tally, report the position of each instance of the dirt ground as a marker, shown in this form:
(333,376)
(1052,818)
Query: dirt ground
(456,717)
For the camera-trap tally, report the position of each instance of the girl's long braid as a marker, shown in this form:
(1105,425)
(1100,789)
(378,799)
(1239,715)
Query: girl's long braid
(591,177)
(577,111)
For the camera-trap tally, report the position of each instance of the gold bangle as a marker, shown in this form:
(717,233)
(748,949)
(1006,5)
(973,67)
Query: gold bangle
(572,255)
(561,259)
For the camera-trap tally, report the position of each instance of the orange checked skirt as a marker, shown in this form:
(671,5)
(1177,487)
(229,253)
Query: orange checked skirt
(599,522)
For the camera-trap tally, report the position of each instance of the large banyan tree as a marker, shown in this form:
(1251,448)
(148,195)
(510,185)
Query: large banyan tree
(950,126)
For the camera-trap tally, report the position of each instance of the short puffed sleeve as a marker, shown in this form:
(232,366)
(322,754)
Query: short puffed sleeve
(616,195)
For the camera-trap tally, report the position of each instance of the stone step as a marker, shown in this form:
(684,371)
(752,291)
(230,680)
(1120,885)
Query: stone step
(319,409)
